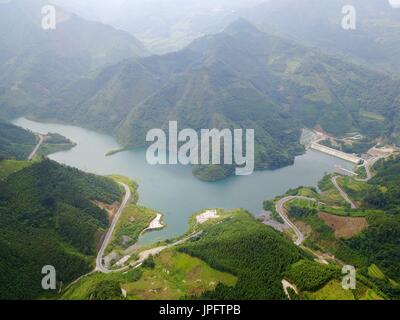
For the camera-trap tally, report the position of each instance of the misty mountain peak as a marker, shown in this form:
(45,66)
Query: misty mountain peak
(241,25)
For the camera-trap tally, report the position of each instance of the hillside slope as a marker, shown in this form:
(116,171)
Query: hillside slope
(47,217)
(35,64)
(15,142)
(375,42)
(239,78)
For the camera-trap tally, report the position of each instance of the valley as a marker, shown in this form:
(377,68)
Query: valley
(110,117)
(178,194)
(143,269)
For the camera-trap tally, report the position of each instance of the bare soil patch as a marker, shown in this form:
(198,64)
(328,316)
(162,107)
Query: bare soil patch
(344,227)
(110,208)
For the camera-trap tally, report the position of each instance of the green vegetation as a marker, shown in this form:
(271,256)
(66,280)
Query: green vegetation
(113,152)
(190,270)
(380,244)
(385,192)
(53,143)
(311,276)
(133,221)
(174,275)
(375,272)
(8,167)
(39,75)
(47,218)
(229,246)
(269,205)
(351,146)
(15,143)
(331,291)
(276,88)
(87,288)
(300,208)
(133,186)
(107,290)
(374,250)
(169,275)
(130,226)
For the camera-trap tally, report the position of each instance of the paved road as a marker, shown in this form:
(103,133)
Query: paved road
(33,153)
(342,192)
(280,208)
(367,166)
(99,260)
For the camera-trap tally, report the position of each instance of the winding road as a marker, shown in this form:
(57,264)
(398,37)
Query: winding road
(99,260)
(342,192)
(280,209)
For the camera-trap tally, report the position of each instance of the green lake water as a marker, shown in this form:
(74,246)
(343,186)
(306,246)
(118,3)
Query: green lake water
(172,190)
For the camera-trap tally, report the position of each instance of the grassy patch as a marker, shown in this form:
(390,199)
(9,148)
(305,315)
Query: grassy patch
(131,224)
(355,189)
(372,116)
(375,272)
(362,173)
(331,291)
(371,295)
(86,287)
(8,167)
(175,276)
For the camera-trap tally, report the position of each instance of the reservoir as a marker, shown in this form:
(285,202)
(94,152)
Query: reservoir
(172,189)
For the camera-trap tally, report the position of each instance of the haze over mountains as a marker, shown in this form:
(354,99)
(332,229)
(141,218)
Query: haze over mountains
(163,25)
(275,67)
(376,40)
(170,25)
(36,64)
(94,76)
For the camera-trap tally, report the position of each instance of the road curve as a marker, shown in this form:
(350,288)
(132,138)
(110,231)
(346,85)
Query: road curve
(280,209)
(343,193)
(99,260)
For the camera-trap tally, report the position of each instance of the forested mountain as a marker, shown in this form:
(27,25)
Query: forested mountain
(17,143)
(167,25)
(239,78)
(47,217)
(375,41)
(162,25)
(35,64)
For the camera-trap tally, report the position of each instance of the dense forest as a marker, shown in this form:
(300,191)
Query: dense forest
(253,252)
(47,217)
(385,192)
(240,77)
(380,243)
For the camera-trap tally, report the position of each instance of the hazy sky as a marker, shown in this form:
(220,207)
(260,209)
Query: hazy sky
(395,3)
(109,10)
